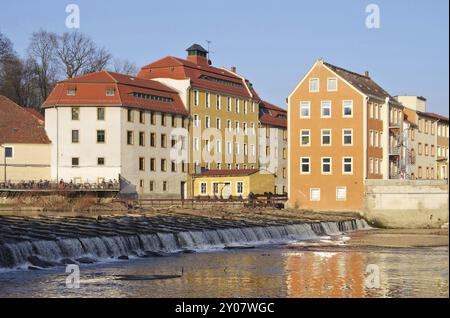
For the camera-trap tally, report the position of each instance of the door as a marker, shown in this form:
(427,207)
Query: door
(183,190)
(226,191)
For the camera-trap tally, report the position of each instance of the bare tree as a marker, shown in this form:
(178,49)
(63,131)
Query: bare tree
(6,48)
(42,50)
(79,55)
(124,67)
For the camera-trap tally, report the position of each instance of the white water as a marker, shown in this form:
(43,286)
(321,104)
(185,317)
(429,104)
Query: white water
(102,248)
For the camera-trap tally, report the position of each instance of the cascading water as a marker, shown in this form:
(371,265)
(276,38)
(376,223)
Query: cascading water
(13,255)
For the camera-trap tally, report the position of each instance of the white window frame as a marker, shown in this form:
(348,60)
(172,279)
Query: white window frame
(330,163)
(309,166)
(311,190)
(318,85)
(237,187)
(344,107)
(321,137)
(322,108)
(207,100)
(218,123)
(337,193)
(343,166)
(218,102)
(229,104)
(344,135)
(301,137)
(196,120)
(308,104)
(196,98)
(207,122)
(201,188)
(328,84)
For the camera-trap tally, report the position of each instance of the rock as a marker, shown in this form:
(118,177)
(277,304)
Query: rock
(188,251)
(152,253)
(238,247)
(34,268)
(39,262)
(86,260)
(123,257)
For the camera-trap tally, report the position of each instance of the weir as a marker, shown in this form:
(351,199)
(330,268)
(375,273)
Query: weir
(72,239)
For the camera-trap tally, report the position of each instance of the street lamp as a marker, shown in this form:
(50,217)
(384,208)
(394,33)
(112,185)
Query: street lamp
(4,161)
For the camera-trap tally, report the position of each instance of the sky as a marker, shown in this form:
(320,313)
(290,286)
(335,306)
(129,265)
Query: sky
(272,43)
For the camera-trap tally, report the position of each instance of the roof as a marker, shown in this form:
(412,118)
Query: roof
(90,91)
(362,83)
(197,47)
(272,115)
(226,173)
(17,125)
(36,114)
(201,76)
(433,115)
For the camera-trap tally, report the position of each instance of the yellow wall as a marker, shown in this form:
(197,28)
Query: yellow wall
(29,162)
(258,183)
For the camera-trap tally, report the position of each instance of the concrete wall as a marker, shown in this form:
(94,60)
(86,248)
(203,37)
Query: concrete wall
(406,204)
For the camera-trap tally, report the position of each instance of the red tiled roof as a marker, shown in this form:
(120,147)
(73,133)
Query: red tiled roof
(36,114)
(17,125)
(433,115)
(91,91)
(362,83)
(272,115)
(176,68)
(226,173)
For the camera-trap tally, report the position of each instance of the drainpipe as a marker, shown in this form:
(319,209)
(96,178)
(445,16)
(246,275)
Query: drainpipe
(57,145)
(4,162)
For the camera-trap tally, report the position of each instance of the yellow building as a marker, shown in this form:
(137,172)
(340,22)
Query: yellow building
(24,145)
(226,183)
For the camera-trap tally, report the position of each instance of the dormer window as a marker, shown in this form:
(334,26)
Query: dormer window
(110,92)
(71,92)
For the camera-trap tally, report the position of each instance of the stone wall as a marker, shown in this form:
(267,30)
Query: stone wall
(406,204)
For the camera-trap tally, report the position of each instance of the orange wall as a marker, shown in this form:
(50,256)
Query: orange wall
(374,152)
(300,185)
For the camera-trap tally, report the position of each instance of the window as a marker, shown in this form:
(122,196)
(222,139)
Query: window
(75,162)
(326,166)
(196,121)
(305,137)
(141,117)
(173,166)
(252,150)
(377,166)
(110,92)
(208,100)
(245,107)
(163,165)
(347,108)
(101,136)
(377,139)
(332,84)
(347,165)
(75,136)
(237,105)
(245,149)
(420,148)
(239,187)
(253,107)
(229,104)
(229,125)
(141,164)
(100,113)
(141,139)
(426,150)
(196,99)
(165,186)
(284,153)
(130,115)
(314,195)
(326,137)
(305,165)
(325,109)
(238,127)
(244,128)
(163,119)
(9,152)
(218,102)
(130,138)
(305,109)
(420,173)
(163,141)
(152,164)
(207,122)
(152,118)
(371,138)
(183,166)
(152,140)
(75,113)
(347,137)
(203,188)
(341,193)
(313,85)
(71,92)
(101,161)
(218,123)
(229,148)
(196,144)
(371,165)
(432,151)
(152,186)
(218,146)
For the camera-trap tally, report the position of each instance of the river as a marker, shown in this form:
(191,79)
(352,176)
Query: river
(336,268)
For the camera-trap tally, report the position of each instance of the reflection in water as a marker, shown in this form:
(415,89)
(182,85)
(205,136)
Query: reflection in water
(270,272)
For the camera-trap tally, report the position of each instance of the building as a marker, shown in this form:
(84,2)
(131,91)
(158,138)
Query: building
(273,143)
(343,128)
(223,111)
(25,147)
(108,126)
(429,139)
(237,183)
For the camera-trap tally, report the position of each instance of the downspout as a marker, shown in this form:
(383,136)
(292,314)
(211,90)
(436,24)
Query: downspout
(57,144)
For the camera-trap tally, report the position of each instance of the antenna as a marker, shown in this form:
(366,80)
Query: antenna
(209,46)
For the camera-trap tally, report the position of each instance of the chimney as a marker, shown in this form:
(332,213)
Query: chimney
(233,69)
(198,55)
(366,73)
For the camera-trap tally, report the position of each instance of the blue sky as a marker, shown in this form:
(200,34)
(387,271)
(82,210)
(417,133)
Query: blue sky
(273,43)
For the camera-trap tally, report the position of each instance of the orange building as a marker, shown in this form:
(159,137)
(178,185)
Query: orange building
(343,129)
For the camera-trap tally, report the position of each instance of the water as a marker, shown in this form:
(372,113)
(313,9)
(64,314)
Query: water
(314,268)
